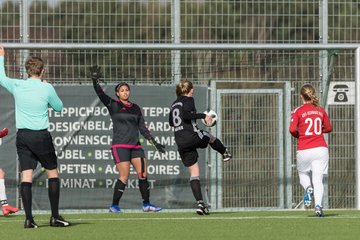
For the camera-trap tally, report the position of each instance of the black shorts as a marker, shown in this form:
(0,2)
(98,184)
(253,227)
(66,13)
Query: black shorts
(124,154)
(35,146)
(188,152)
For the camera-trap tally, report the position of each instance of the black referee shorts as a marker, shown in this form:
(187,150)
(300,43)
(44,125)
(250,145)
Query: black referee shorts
(35,146)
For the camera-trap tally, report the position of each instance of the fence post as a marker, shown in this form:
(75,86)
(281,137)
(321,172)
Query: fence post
(357,125)
(176,39)
(324,76)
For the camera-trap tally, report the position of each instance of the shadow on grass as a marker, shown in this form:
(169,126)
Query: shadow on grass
(326,215)
(223,213)
(73,224)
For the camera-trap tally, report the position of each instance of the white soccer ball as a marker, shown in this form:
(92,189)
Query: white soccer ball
(214,116)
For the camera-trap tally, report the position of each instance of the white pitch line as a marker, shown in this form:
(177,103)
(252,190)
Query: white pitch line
(217,218)
(196,218)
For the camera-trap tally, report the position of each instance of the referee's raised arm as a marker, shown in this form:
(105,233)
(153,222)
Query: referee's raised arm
(5,81)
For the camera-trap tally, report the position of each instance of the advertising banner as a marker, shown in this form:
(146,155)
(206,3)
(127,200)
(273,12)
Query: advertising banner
(82,135)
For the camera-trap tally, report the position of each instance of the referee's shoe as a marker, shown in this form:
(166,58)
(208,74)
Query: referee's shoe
(29,223)
(59,222)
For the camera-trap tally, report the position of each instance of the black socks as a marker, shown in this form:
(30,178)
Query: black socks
(119,189)
(196,188)
(54,196)
(144,190)
(26,196)
(218,146)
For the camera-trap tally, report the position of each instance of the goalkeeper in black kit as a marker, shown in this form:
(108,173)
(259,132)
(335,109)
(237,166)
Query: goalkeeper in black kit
(128,121)
(189,138)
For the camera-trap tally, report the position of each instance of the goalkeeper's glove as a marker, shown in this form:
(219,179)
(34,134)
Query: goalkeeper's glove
(158,146)
(4,132)
(95,73)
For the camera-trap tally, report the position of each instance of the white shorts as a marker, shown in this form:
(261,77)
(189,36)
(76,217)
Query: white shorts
(313,159)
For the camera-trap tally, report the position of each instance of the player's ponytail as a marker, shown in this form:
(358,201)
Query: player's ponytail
(184,87)
(308,93)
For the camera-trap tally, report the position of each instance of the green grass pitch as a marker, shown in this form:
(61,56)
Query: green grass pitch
(289,225)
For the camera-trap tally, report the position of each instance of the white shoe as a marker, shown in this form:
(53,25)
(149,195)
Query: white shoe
(202,208)
(226,156)
(308,196)
(318,211)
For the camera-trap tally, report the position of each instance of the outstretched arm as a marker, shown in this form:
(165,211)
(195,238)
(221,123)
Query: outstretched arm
(189,113)
(95,74)
(146,133)
(6,82)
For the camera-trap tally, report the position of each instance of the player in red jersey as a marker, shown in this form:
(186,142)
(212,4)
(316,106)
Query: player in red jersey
(6,208)
(308,123)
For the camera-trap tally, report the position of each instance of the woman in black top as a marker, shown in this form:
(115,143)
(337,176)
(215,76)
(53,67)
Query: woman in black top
(189,138)
(128,121)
